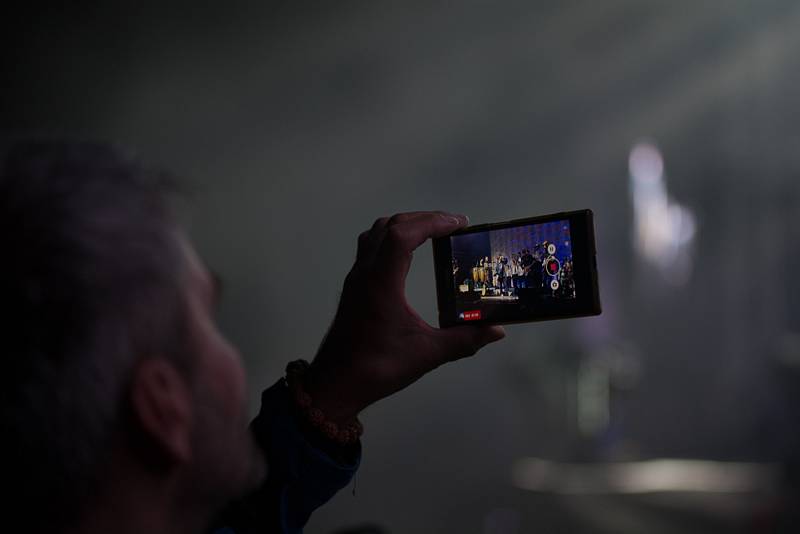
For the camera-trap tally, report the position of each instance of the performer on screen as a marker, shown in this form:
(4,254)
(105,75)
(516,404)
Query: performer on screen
(507,275)
(487,273)
(497,273)
(526,260)
(519,272)
(532,268)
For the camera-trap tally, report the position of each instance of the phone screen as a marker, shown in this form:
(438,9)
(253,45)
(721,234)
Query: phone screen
(518,271)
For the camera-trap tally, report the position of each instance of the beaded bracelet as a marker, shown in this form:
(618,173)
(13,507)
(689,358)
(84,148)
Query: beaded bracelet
(341,434)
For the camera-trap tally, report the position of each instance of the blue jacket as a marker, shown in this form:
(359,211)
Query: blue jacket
(305,471)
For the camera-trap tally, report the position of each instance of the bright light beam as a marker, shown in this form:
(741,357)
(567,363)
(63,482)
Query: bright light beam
(648,476)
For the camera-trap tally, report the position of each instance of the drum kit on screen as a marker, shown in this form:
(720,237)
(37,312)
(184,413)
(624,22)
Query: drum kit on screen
(478,275)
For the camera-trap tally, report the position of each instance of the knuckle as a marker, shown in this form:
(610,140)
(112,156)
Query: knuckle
(394,235)
(380,221)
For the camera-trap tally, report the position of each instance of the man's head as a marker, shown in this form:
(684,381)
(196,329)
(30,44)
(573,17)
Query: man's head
(110,355)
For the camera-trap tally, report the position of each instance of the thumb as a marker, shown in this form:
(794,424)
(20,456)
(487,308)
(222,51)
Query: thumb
(463,341)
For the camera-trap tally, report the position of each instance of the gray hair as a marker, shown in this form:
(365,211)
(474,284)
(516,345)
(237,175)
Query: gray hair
(90,280)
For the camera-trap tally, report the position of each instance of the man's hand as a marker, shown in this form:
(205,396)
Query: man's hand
(377,344)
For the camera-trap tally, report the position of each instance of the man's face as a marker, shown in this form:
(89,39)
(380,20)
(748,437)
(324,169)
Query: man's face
(226,460)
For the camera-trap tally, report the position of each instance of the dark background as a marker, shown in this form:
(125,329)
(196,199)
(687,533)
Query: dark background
(469,250)
(298,124)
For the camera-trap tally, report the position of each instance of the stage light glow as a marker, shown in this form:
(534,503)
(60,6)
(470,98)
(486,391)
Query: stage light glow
(663,228)
(648,476)
(646,163)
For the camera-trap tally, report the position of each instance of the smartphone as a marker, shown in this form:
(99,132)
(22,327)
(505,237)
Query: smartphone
(531,269)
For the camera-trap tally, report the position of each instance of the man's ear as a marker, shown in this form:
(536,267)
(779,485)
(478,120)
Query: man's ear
(161,400)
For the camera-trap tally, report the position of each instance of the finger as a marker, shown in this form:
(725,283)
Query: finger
(369,240)
(378,231)
(463,341)
(411,215)
(405,236)
(364,247)
(393,257)
(379,223)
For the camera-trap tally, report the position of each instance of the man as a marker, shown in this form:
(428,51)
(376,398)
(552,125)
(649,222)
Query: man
(508,272)
(519,272)
(532,272)
(123,406)
(487,272)
(497,271)
(527,262)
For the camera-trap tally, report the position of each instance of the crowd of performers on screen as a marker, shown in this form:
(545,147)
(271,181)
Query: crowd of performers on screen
(538,271)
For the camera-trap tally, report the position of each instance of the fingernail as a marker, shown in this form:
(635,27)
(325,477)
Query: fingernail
(455,220)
